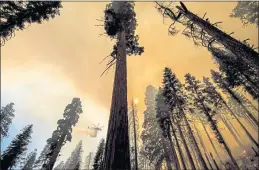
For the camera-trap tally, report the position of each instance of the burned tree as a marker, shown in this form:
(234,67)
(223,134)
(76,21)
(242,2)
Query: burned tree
(120,23)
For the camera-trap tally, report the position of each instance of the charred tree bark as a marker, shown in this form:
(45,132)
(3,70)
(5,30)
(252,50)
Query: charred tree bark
(159,162)
(168,161)
(117,155)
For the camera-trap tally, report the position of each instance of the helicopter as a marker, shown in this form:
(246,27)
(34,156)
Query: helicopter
(94,130)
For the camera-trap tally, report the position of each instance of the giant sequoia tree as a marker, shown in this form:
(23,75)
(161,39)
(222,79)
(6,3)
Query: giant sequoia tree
(15,150)
(63,133)
(7,114)
(16,15)
(195,88)
(120,23)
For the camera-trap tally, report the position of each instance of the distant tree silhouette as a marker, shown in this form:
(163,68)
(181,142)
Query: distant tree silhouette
(219,79)
(16,149)
(42,157)
(75,159)
(247,12)
(217,98)
(120,23)
(6,115)
(63,132)
(29,162)
(207,34)
(155,146)
(98,159)
(15,15)
(195,89)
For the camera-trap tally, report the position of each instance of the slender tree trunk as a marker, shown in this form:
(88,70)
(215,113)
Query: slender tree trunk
(185,146)
(211,142)
(197,150)
(202,145)
(241,50)
(135,137)
(174,154)
(53,158)
(237,139)
(117,155)
(213,124)
(251,116)
(215,163)
(178,146)
(240,123)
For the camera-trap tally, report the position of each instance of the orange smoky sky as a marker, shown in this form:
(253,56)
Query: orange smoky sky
(70,43)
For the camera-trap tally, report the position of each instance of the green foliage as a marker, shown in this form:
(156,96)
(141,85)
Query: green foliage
(98,159)
(16,14)
(247,12)
(7,114)
(16,149)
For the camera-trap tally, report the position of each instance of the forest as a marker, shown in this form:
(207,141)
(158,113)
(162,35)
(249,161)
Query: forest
(188,123)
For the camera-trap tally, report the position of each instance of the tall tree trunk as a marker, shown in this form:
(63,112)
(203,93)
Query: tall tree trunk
(242,105)
(135,137)
(211,142)
(241,50)
(202,145)
(117,155)
(174,154)
(196,147)
(178,146)
(53,158)
(213,124)
(236,137)
(215,163)
(185,146)
(240,123)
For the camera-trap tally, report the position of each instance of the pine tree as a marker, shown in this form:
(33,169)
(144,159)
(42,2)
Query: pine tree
(16,149)
(207,34)
(134,134)
(155,146)
(98,159)
(247,12)
(28,164)
(162,114)
(120,23)
(88,161)
(75,159)
(6,115)
(221,83)
(195,89)
(63,132)
(175,99)
(15,15)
